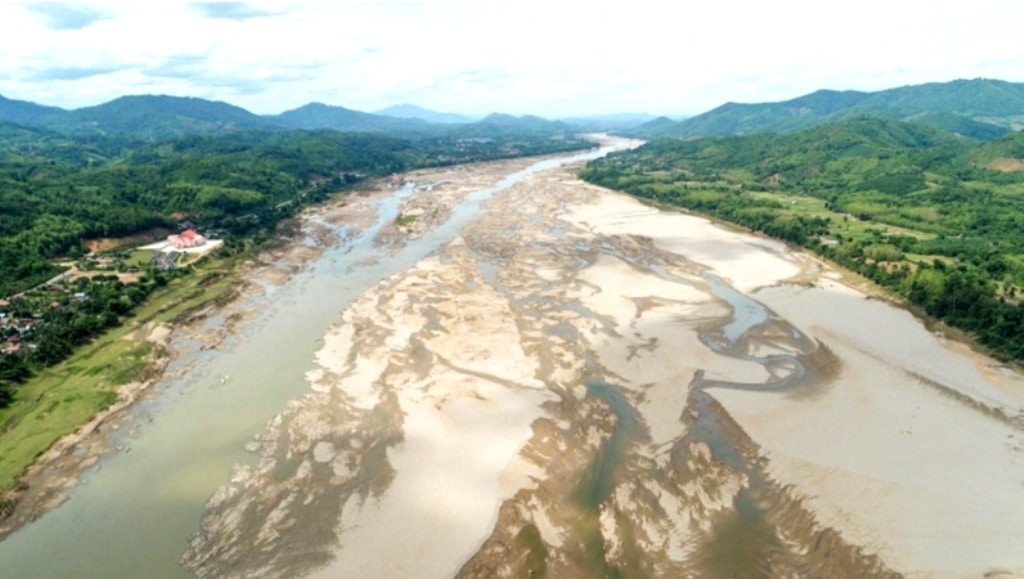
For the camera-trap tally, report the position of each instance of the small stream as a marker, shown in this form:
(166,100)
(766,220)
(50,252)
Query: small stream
(134,514)
(740,539)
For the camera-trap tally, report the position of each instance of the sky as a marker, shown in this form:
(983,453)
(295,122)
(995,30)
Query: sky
(552,58)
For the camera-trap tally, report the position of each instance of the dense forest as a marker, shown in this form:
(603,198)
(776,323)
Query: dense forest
(934,217)
(58,190)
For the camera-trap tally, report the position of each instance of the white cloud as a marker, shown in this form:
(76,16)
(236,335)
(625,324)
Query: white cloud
(552,58)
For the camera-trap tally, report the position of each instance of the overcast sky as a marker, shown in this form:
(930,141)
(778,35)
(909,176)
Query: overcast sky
(553,58)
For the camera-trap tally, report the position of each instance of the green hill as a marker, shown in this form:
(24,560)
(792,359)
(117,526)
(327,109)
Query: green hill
(321,116)
(158,116)
(25,112)
(981,109)
(978,98)
(1005,154)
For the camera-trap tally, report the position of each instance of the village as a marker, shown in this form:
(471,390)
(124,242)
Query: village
(92,293)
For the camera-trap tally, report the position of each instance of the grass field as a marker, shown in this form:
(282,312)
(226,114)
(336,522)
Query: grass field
(61,398)
(140,258)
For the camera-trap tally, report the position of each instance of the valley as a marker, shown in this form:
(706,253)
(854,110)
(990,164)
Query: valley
(500,370)
(436,346)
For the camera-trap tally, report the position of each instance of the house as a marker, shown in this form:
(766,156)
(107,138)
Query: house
(24,325)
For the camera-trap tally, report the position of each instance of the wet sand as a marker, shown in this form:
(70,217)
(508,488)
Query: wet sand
(559,391)
(913,451)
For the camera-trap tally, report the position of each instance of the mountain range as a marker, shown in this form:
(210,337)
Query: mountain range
(161,116)
(981,109)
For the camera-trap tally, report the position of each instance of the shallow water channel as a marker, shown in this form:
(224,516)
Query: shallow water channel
(134,515)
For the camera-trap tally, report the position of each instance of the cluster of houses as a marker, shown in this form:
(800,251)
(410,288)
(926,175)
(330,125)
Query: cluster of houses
(13,329)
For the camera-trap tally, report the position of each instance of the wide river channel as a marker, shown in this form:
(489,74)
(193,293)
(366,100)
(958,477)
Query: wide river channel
(134,515)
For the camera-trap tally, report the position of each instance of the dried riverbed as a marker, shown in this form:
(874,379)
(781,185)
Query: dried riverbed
(533,376)
(579,385)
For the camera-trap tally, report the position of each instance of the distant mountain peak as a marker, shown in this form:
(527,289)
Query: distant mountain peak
(322,116)
(411,111)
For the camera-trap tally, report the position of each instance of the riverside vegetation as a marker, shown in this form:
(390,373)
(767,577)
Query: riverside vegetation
(936,218)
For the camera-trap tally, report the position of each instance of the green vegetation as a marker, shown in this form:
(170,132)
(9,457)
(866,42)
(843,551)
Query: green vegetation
(140,258)
(405,220)
(158,117)
(57,191)
(981,109)
(914,208)
(56,400)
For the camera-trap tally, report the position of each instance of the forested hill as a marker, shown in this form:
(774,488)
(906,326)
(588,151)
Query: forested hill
(937,219)
(981,109)
(321,116)
(25,112)
(158,116)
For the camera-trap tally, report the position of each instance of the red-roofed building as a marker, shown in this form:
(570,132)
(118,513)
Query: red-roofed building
(186,239)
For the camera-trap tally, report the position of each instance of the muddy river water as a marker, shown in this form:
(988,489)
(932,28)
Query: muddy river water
(498,370)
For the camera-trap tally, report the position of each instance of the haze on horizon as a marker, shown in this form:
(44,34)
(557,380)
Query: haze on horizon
(548,59)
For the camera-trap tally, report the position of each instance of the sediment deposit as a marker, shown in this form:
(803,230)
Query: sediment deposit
(579,384)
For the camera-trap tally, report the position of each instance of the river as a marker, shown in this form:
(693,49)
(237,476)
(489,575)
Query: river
(497,369)
(135,515)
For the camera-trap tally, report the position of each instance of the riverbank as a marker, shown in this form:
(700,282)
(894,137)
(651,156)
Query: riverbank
(55,430)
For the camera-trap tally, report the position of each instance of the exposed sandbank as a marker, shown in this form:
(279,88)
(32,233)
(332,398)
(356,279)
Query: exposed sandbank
(450,429)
